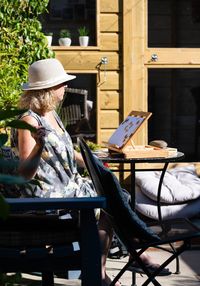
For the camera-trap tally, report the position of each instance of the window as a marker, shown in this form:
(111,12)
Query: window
(174,23)
(71,15)
(174,100)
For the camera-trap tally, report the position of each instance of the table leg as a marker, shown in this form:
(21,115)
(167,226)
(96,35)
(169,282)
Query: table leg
(132,189)
(159,190)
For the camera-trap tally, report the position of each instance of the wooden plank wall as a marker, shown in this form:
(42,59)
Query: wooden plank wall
(87,60)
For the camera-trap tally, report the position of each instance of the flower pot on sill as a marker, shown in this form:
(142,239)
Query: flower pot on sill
(84,41)
(65,42)
(49,40)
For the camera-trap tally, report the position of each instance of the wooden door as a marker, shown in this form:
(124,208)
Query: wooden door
(161,45)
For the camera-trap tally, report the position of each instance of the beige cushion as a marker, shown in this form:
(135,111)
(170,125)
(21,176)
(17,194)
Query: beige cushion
(148,208)
(180,184)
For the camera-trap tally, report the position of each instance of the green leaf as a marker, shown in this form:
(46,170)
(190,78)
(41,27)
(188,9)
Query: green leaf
(3,139)
(35,182)
(8,165)
(18,124)
(12,180)
(9,113)
(4,208)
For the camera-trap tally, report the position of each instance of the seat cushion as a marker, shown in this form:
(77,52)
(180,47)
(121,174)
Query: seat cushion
(148,207)
(180,184)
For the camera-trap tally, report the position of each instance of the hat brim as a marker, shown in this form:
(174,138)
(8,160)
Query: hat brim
(38,86)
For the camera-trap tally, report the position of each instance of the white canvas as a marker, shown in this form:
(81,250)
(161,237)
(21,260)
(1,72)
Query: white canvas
(125,130)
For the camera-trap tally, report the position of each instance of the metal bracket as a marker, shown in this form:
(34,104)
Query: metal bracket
(154,57)
(104,60)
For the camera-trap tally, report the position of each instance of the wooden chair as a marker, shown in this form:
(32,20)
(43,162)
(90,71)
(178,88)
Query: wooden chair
(33,241)
(74,113)
(133,232)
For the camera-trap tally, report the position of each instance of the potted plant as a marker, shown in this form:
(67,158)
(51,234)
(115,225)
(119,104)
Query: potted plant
(49,37)
(83,36)
(65,38)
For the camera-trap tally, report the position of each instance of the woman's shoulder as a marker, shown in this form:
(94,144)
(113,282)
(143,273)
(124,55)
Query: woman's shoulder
(31,117)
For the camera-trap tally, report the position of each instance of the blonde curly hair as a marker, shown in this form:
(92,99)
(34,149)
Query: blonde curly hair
(39,101)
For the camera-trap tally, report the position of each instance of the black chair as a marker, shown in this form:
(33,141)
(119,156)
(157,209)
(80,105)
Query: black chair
(33,241)
(133,232)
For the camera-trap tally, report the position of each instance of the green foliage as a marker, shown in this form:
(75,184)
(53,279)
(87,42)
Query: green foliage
(21,125)
(10,113)
(3,139)
(93,146)
(10,280)
(6,179)
(65,33)
(48,34)
(4,208)
(83,31)
(22,42)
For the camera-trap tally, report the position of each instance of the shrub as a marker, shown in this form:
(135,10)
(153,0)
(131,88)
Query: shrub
(10,183)
(22,43)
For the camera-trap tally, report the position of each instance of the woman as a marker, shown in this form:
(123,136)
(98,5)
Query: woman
(57,171)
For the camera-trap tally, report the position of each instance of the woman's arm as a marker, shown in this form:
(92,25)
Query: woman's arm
(79,159)
(30,148)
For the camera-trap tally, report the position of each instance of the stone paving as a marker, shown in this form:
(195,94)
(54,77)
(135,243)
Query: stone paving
(189,276)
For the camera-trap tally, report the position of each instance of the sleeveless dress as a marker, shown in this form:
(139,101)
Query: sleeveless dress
(57,172)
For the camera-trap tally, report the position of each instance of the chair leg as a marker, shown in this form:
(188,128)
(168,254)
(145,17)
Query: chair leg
(117,277)
(133,279)
(47,279)
(121,272)
(178,251)
(177,259)
(151,277)
(172,250)
(90,253)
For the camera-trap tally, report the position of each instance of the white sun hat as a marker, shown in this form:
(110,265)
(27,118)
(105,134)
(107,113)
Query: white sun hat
(45,74)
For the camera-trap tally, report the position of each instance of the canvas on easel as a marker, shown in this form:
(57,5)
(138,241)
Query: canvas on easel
(128,128)
(122,141)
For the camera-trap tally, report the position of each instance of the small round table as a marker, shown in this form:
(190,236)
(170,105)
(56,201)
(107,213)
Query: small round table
(107,158)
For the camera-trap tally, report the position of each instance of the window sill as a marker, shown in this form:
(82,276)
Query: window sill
(74,48)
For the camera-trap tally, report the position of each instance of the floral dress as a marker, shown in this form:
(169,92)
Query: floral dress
(57,172)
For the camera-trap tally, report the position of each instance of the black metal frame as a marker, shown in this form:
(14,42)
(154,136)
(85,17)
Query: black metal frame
(163,229)
(133,161)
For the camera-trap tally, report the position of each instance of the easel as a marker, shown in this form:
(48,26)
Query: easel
(121,141)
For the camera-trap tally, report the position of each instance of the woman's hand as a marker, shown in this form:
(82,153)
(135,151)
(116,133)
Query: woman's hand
(39,136)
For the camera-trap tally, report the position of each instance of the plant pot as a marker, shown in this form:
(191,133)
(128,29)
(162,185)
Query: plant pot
(83,41)
(49,40)
(65,42)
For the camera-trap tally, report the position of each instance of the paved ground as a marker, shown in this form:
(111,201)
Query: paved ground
(190,272)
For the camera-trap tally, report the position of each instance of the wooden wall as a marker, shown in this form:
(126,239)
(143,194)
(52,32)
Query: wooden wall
(87,60)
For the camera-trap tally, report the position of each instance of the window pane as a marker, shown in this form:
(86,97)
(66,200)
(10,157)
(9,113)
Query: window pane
(174,23)
(174,100)
(71,15)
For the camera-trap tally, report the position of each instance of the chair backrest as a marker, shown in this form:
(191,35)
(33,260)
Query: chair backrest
(71,236)
(127,224)
(74,106)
